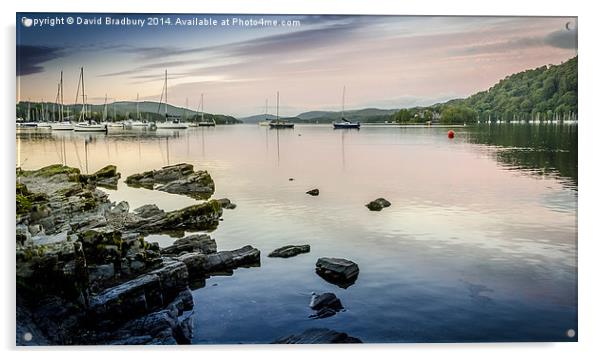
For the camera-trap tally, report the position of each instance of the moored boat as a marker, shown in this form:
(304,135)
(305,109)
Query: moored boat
(173,124)
(62,126)
(90,126)
(278,123)
(343,122)
(169,124)
(203,122)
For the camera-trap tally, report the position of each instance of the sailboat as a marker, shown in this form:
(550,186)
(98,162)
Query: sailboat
(278,123)
(344,123)
(204,123)
(62,124)
(105,111)
(43,123)
(174,123)
(89,125)
(265,122)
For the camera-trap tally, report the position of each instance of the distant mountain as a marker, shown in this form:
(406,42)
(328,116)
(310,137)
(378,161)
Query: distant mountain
(363,115)
(257,118)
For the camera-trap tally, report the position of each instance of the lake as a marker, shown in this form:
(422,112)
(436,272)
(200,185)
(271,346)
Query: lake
(479,244)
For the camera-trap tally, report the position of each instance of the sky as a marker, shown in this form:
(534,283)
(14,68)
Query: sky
(383,61)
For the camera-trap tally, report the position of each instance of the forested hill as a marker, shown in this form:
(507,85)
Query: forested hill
(544,93)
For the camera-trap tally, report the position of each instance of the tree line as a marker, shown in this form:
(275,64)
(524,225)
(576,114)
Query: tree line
(541,94)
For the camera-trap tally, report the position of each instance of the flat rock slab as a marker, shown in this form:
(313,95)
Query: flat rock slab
(177,179)
(318,336)
(378,204)
(339,271)
(289,251)
(201,243)
(200,264)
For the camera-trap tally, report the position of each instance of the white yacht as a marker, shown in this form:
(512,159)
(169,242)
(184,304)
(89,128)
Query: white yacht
(62,126)
(90,126)
(174,124)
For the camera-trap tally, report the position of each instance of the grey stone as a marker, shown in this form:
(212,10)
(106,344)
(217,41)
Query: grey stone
(378,204)
(339,271)
(290,251)
(201,243)
(313,192)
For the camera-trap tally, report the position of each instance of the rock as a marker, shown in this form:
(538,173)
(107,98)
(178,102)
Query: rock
(339,271)
(105,177)
(177,179)
(291,179)
(378,204)
(313,192)
(196,217)
(224,261)
(121,208)
(101,272)
(325,305)
(201,243)
(148,211)
(289,251)
(325,300)
(226,203)
(318,336)
(157,328)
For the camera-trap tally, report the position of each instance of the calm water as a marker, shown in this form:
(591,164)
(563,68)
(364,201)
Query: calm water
(479,244)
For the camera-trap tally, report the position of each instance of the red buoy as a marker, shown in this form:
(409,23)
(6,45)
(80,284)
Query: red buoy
(451,134)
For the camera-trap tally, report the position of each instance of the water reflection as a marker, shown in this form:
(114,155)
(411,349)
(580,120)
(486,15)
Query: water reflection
(536,149)
(465,234)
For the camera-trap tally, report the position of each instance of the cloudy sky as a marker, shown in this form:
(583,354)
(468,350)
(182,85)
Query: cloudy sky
(384,61)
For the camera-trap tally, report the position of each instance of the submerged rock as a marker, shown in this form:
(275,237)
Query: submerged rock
(318,336)
(339,271)
(313,192)
(378,204)
(177,179)
(289,251)
(325,305)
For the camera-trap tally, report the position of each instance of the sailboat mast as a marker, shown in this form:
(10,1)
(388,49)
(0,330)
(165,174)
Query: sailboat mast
(343,106)
(62,103)
(104,113)
(277,105)
(83,93)
(137,107)
(185,111)
(202,107)
(266,108)
(165,95)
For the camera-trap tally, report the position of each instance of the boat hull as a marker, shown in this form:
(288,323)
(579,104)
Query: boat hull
(282,125)
(337,126)
(62,127)
(171,127)
(90,128)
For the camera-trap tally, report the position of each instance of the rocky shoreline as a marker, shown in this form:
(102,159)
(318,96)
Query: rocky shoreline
(86,274)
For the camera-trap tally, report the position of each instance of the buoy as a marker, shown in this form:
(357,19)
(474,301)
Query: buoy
(451,134)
